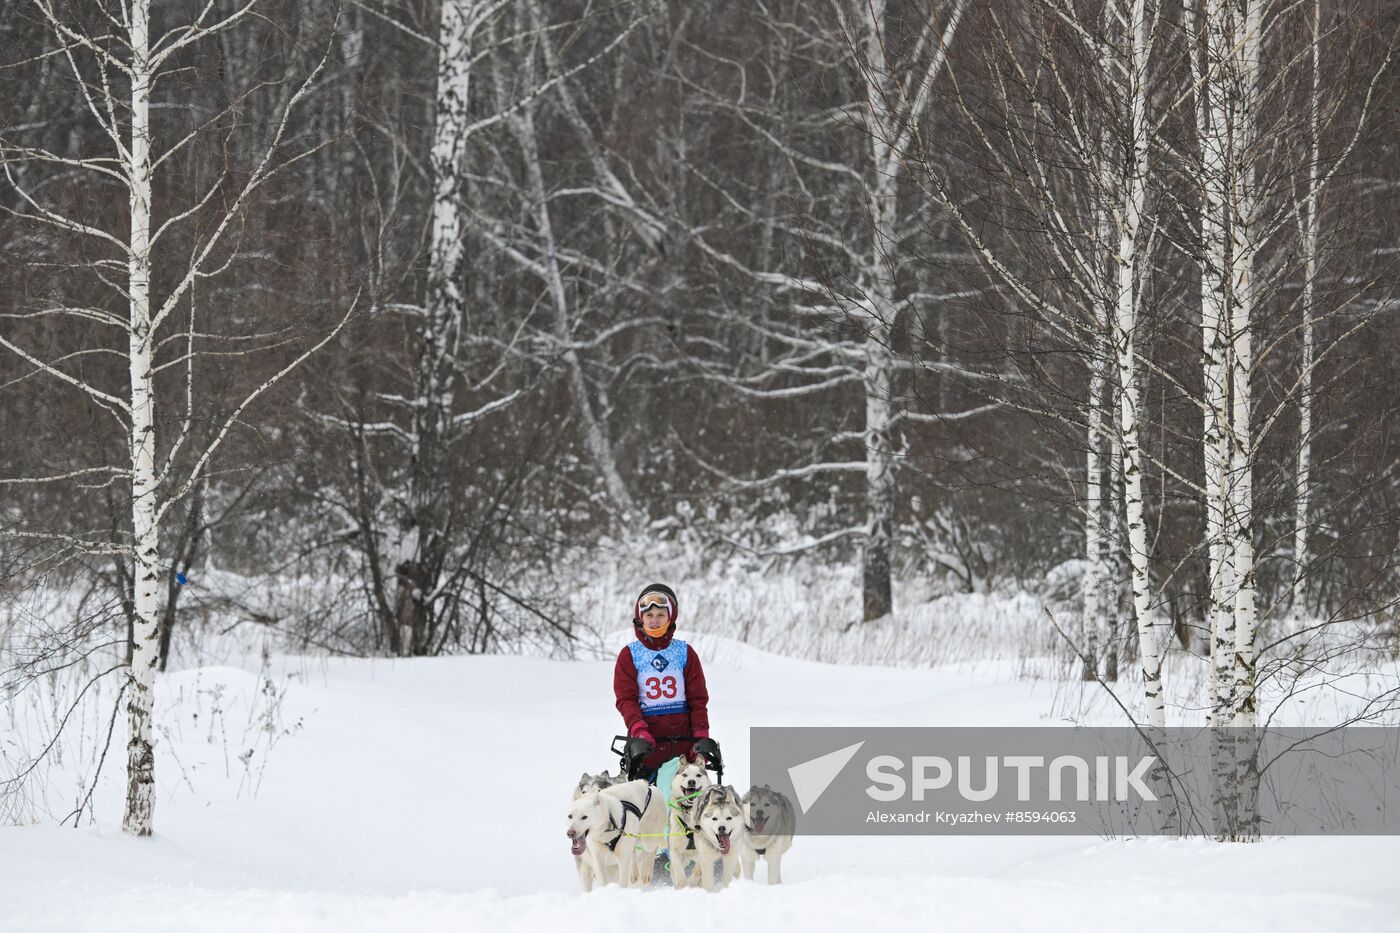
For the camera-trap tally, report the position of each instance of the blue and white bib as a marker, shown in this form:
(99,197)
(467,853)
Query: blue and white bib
(661,677)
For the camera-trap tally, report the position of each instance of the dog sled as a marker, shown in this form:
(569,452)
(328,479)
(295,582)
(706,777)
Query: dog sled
(678,841)
(634,751)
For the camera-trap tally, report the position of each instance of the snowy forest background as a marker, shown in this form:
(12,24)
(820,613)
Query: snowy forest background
(887,332)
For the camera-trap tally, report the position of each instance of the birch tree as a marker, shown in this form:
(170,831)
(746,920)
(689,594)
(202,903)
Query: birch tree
(406,522)
(1072,139)
(464,365)
(1247,204)
(418,556)
(1231,227)
(892,80)
(1308,236)
(1131,70)
(119,70)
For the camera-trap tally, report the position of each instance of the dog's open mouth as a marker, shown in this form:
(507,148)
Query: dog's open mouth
(759,822)
(722,838)
(577,843)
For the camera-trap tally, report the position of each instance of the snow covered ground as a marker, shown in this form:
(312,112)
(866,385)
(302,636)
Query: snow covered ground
(430,795)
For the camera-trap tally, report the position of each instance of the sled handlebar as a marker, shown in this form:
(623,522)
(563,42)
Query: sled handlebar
(628,765)
(660,741)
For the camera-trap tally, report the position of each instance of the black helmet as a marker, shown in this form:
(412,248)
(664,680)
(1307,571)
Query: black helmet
(672,607)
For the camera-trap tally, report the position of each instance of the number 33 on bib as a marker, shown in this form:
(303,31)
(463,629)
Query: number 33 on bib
(660,677)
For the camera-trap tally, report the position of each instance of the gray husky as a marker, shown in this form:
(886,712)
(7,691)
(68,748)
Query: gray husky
(588,783)
(769,822)
(718,823)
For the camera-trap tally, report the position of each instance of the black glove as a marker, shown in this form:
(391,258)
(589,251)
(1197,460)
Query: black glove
(708,749)
(635,752)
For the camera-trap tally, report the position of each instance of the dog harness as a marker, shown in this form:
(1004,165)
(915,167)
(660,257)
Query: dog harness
(689,830)
(660,677)
(627,807)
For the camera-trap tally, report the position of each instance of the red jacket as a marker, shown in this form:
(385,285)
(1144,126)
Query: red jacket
(695,721)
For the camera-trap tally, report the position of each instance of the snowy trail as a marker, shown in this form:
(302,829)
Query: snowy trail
(427,795)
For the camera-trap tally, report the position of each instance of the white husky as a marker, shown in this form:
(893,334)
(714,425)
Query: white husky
(719,831)
(769,822)
(690,782)
(609,827)
(590,784)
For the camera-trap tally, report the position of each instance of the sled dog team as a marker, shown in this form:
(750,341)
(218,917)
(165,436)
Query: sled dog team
(617,827)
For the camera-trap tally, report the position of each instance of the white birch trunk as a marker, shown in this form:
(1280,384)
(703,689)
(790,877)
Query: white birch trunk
(446,249)
(882,192)
(1230,227)
(880,482)
(1215,290)
(1149,641)
(1128,214)
(1303,479)
(1245,232)
(145,655)
(879,386)
(412,554)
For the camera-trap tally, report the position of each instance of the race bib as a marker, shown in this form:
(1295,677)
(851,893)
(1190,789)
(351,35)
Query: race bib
(660,677)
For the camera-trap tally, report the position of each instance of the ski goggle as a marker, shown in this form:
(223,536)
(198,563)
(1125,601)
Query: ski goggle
(653,601)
